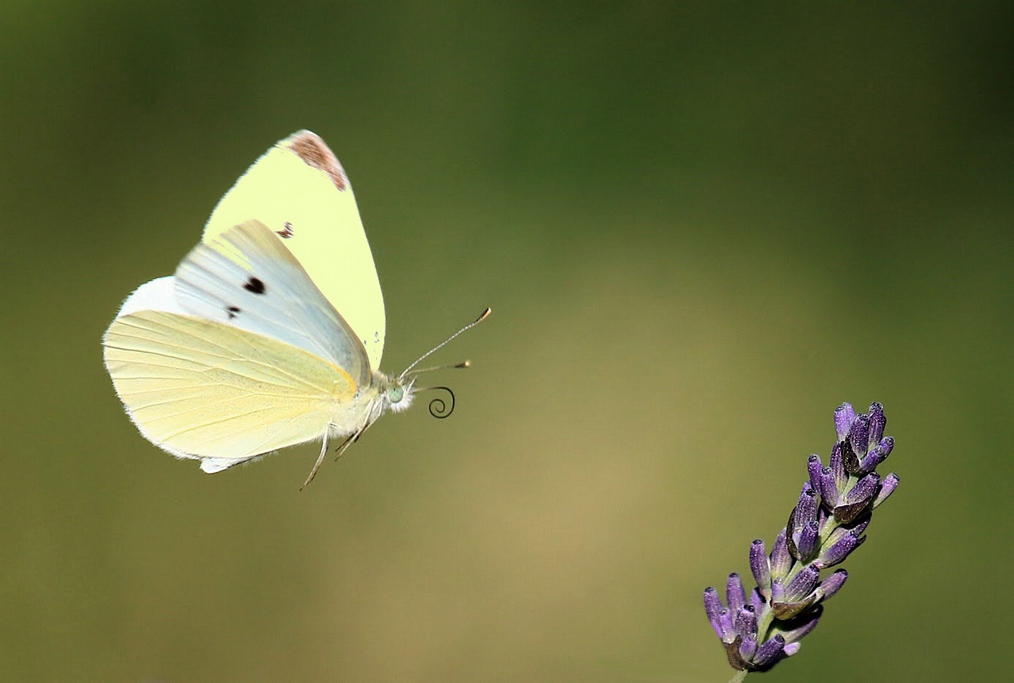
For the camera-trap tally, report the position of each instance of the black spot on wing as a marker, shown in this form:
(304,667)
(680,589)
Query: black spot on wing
(232,311)
(255,285)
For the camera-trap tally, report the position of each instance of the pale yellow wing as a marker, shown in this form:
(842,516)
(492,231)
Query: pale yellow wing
(246,278)
(300,191)
(201,389)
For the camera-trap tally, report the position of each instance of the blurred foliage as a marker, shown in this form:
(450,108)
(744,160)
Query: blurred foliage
(701,227)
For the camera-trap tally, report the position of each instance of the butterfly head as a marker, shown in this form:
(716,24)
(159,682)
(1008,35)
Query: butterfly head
(396,393)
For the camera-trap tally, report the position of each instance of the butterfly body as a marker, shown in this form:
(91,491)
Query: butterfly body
(243,350)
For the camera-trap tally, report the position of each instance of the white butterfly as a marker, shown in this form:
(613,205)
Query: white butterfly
(243,351)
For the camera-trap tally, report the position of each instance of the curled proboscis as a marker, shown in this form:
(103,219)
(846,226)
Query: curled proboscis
(439,408)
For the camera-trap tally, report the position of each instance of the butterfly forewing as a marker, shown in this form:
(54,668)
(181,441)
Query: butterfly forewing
(301,193)
(246,278)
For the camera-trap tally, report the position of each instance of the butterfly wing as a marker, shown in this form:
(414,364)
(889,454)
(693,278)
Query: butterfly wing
(301,193)
(246,278)
(237,355)
(202,389)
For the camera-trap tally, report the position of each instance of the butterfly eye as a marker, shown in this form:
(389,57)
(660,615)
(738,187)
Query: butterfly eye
(396,394)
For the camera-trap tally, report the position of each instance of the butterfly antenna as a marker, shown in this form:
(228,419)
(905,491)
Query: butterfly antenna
(485,314)
(457,366)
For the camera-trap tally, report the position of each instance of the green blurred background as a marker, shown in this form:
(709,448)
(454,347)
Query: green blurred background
(701,227)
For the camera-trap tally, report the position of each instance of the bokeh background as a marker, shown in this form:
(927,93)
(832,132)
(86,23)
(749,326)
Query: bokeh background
(701,227)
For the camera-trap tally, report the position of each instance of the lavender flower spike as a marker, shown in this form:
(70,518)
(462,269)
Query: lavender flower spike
(827,523)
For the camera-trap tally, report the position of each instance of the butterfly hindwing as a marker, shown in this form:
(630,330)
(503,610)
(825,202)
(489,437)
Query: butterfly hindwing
(201,389)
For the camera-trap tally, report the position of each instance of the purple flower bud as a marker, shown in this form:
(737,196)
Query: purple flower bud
(877,454)
(859,435)
(802,584)
(792,648)
(781,560)
(768,653)
(759,603)
(828,489)
(878,421)
(871,460)
(832,584)
(797,596)
(713,608)
(712,603)
(837,552)
(864,490)
(735,596)
(844,415)
(814,468)
(746,622)
(837,466)
(886,445)
(760,567)
(809,541)
(806,508)
(748,648)
(777,591)
(858,499)
(887,487)
(801,516)
(725,621)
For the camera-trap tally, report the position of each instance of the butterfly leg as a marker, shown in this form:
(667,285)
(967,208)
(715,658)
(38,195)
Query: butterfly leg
(320,459)
(349,440)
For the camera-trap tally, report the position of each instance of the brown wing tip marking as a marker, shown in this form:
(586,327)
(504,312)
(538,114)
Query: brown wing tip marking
(315,152)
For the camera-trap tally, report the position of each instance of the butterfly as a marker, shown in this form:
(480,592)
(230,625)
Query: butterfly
(271,331)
